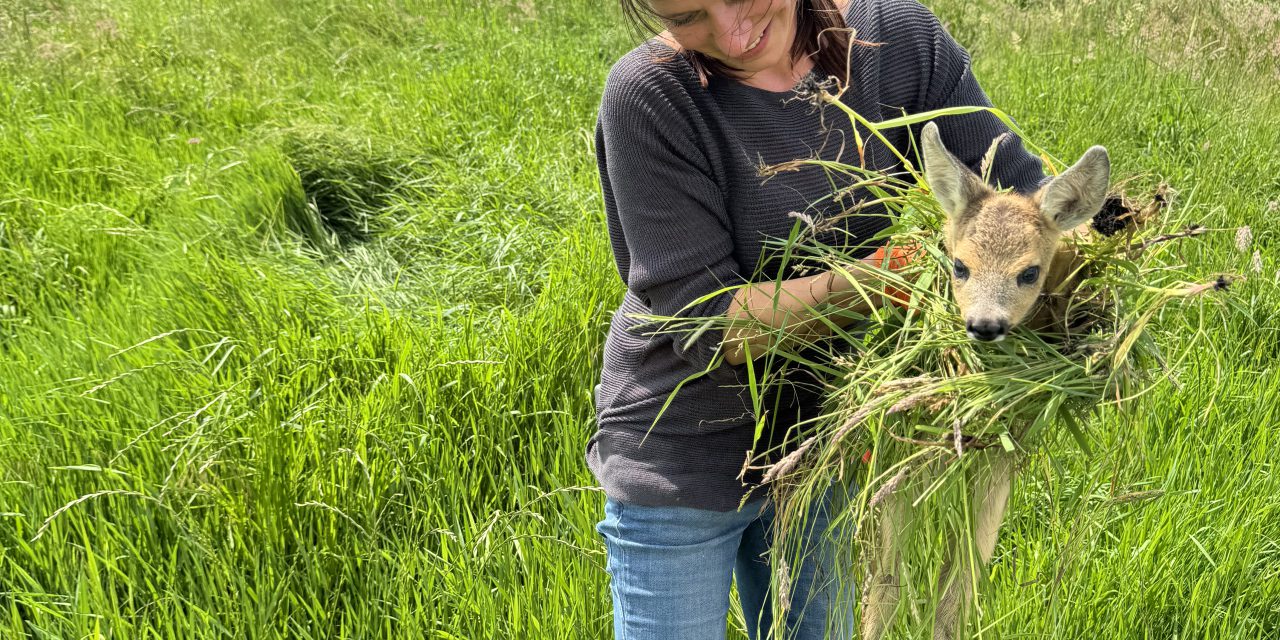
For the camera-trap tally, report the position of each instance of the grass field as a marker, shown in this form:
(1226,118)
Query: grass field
(302,303)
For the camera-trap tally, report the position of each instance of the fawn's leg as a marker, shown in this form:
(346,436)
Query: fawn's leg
(990,497)
(880,596)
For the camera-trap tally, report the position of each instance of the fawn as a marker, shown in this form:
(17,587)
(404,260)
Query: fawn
(1005,247)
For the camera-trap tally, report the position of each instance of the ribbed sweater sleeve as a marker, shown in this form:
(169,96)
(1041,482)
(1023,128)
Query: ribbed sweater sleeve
(951,83)
(659,181)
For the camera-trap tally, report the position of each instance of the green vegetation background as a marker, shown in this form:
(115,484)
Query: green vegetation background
(301,304)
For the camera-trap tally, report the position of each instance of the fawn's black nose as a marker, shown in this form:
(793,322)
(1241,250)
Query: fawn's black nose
(987,329)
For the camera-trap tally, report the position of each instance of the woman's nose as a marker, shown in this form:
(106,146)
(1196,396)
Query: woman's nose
(733,28)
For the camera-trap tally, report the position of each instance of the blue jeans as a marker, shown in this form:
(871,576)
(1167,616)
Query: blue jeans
(671,569)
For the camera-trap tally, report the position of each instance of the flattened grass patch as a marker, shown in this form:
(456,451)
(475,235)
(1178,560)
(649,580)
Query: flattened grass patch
(349,182)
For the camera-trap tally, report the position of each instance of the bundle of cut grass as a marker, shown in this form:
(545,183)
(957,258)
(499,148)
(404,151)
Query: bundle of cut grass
(924,429)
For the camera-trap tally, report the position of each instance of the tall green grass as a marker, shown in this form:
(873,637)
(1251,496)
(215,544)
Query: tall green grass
(302,302)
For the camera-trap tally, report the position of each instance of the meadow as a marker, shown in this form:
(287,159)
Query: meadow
(302,302)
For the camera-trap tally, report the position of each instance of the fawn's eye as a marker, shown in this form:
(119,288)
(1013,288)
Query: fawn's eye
(1029,276)
(961,271)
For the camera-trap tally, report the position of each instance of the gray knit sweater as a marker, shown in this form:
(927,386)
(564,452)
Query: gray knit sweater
(688,214)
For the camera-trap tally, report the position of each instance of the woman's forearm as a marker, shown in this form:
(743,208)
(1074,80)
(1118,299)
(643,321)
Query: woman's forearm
(790,305)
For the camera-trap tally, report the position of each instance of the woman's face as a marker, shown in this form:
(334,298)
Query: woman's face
(748,35)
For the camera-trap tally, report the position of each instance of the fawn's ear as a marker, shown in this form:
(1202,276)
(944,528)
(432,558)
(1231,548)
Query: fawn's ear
(1076,195)
(955,186)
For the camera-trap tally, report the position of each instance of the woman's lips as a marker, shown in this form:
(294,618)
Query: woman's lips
(763,39)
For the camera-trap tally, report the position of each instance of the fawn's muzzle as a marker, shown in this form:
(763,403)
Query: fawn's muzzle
(987,329)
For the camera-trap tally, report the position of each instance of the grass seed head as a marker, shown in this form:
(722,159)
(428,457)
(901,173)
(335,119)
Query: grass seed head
(1244,238)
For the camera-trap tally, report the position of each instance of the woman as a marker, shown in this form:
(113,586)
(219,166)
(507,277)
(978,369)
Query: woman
(685,121)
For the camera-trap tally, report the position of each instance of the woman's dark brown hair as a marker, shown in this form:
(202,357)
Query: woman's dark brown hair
(820,32)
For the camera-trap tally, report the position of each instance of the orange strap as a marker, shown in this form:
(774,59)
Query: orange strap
(899,257)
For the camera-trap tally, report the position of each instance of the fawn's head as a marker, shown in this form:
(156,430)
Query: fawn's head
(1002,244)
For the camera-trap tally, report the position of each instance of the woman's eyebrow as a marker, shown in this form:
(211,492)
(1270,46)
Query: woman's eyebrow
(676,16)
